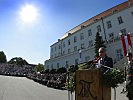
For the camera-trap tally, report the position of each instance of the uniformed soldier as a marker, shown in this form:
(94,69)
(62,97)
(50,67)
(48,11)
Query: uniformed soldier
(129,72)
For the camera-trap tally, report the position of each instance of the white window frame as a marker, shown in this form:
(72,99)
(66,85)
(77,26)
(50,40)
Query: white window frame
(109,24)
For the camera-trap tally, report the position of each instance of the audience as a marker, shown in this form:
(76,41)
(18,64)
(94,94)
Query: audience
(51,80)
(55,80)
(15,70)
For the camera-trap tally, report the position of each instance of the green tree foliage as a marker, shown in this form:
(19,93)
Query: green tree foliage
(62,70)
(2,57)
(39,67)
(18,61)
(70,84)
(113,78)
(73,68)
(98,43)
(53,71)
(47,71)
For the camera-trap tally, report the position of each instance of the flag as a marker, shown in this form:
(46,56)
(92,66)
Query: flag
(127,43)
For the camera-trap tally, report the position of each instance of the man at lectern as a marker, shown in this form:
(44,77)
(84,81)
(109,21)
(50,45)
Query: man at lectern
(104,59)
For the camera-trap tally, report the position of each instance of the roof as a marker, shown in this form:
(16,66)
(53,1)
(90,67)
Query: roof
(104,14)
(99,16)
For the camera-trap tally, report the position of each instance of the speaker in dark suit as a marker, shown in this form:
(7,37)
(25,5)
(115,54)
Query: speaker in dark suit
(107,61)
(104,59)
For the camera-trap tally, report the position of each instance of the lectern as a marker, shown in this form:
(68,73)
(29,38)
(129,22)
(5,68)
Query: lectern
(89,85)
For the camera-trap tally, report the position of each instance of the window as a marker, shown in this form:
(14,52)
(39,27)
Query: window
(81,36)
(51,56)
(89,32)
(87,58)
(55,55)
(63,44)
(109,24)
(69,50)
(59,46)
(82,46)
(75,48)
(132,13)
(75,39)
(90,43)
(98,28)
(55,48)
(76,61)
(58,65)
(120,20)
(52,66)
(64,52)
(111,35)
(123,31)
(119,54)
(69,42)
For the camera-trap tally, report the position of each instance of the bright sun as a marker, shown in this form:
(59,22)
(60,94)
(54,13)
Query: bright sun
(28,13)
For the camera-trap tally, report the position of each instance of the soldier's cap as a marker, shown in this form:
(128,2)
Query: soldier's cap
(129,54)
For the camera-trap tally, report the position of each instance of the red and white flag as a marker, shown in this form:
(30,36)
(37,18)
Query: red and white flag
(127,43)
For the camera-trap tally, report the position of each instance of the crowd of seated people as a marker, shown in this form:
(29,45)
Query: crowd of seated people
(51,80)
(55,80)
(15,70)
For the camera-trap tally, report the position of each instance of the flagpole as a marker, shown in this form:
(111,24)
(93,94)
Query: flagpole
(80,56)
(130,42)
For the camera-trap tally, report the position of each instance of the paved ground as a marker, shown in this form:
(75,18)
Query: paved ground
(119,96)
(17,88)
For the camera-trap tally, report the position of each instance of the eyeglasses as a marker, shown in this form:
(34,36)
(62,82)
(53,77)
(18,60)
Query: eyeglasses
(101,51)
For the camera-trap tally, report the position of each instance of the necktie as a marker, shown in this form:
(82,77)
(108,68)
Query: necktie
(101,61)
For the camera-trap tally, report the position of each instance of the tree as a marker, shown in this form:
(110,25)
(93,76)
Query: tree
(47,71)
(39,67)
(3,57)
(53,71)
(62,70)
(18,61)
(98,43)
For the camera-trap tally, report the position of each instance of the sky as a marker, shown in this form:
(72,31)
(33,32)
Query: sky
(32,40)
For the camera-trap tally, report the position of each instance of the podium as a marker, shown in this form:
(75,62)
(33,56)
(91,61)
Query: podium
(89,85)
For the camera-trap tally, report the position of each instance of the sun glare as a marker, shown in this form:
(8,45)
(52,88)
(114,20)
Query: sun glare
(28,13)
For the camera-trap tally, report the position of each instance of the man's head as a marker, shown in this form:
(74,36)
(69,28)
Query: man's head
(129,56)
(102,52)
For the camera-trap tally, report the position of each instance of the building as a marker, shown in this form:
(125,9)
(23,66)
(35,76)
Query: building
(77,45)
